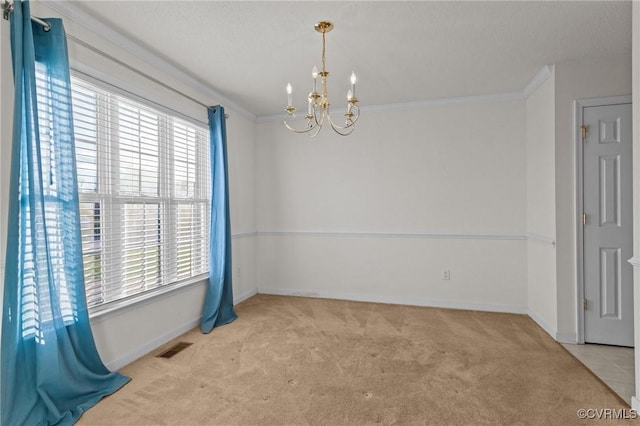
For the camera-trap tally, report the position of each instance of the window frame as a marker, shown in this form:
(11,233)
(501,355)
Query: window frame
(165,199)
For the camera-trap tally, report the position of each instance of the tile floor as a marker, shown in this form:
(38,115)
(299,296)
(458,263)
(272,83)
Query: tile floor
(614,365)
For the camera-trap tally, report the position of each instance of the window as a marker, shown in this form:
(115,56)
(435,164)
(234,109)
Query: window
(143,179)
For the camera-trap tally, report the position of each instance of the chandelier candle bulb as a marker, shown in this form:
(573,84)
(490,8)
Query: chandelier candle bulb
(314,74)
(289,91)
(353,84)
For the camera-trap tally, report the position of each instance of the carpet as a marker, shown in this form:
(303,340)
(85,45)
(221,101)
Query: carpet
(299,361)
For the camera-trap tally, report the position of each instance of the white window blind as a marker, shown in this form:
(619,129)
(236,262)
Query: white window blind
(143,178)
(36,302)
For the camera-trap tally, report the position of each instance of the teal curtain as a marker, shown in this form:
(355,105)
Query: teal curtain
(51,371)
(218,305)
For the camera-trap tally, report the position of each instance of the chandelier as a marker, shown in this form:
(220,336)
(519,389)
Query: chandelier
(319,106)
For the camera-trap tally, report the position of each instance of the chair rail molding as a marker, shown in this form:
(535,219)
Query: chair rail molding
(536,238)
(541,239)
(635,262)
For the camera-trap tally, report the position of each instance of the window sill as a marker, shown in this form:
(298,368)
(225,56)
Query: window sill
(119,307)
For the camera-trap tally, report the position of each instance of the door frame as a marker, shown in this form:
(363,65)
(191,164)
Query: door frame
(579,105)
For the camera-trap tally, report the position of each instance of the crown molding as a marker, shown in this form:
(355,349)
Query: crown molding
(435,103)
(429,103)
(70,11)
(531,87)
(537,80)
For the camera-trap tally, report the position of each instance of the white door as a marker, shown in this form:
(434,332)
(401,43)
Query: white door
(608,232)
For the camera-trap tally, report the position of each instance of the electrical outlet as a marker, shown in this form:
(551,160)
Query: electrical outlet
(446,274)
(237,272)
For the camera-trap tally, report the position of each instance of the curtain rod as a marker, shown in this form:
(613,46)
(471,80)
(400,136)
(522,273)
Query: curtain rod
(7,8)
(137,71)
(136,96)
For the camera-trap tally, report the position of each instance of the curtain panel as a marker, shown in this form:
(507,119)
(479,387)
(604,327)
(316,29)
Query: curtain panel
(51,369)
(218,306)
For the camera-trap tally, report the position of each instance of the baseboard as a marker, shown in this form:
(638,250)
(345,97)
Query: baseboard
(244,296)
(140,351)
(557,336)
(542,323)
(412,301)
(567,338)
(635,404)
(166,337)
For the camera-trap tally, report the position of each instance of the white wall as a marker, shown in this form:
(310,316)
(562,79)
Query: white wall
(580,79)
(451,180)
(125,334)
(541,213)
(241,158)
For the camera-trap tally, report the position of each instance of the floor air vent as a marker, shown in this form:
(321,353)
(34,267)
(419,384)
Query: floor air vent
(177,348)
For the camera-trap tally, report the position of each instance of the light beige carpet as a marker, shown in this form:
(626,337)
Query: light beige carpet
(291,360)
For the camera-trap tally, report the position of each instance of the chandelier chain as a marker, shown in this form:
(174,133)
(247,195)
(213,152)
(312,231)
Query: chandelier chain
(324,68)
(324,58)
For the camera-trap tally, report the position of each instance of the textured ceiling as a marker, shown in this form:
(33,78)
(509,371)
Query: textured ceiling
(401,51)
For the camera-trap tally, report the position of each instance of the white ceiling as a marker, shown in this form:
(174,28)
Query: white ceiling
(401,51)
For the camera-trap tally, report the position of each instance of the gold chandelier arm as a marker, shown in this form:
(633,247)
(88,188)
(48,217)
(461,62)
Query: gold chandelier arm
(322,115)
(349,127)
(313,123)
(314,134)
(310,127)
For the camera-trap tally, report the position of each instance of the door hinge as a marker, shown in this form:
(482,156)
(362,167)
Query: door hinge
(585,304)
(584,218)
(585,130)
